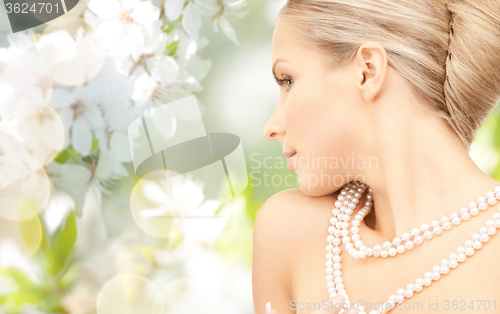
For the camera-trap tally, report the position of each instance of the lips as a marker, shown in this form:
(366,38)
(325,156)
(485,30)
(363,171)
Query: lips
(291,159)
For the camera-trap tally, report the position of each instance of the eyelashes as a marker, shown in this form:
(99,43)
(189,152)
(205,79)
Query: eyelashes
(286,81)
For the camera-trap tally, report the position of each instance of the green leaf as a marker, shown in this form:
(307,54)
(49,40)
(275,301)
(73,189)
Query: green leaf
(168,28)
(95,144)
(172,48)
(68,153)
(496,134)
(27,292)
(62,243)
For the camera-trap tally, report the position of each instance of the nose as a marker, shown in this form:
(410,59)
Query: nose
(275,127)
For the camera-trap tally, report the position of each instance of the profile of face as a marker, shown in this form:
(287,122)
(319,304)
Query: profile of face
(321,115)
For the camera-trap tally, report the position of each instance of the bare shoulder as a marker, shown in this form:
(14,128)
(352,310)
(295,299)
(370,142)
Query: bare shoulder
(291,212)
(284,223)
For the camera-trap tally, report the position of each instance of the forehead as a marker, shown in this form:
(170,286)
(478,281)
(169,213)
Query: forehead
(284,42)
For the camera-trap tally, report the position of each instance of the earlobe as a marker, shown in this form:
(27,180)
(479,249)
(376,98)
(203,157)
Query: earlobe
(372,62)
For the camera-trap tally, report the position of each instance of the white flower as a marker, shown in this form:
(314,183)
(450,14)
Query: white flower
(24,72)
(72,62)
(122,30)
(220,8)
(30,127)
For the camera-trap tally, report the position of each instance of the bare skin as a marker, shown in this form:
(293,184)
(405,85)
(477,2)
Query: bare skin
(423,172)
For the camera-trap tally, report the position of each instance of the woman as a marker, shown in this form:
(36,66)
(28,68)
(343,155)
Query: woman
(384,98)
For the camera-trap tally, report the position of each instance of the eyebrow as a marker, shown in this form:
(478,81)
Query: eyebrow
(274,66)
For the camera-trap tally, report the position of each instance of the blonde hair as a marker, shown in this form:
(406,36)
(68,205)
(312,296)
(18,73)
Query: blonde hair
(447,50)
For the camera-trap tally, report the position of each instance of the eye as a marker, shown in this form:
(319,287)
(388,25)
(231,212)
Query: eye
(287,82)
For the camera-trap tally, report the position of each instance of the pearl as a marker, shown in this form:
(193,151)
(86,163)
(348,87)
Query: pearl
(339,233)
(396,241)
(401,249)
(476,236)
(492,200)
(409,245)
(485,238)
(483,206)
(406,237)
(464,210)
(428,235)
(453,263)
(474,211)
(465,216)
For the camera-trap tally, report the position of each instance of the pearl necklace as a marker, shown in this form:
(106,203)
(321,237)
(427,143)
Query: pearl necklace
(344,206)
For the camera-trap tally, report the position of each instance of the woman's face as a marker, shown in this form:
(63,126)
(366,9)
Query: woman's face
(319,115)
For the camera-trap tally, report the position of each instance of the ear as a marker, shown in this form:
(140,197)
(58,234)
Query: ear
(371,61)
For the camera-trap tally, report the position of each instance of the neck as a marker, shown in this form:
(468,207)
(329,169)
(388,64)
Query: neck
(422,176)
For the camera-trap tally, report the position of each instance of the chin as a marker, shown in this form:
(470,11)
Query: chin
(311,188)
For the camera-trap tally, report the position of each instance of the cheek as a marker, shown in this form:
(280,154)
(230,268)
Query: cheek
(317,120)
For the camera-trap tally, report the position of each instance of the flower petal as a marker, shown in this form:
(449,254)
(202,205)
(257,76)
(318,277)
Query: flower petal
(81,136)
